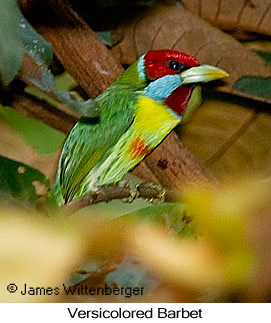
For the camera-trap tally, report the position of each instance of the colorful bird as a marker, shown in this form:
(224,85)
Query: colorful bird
(138,110)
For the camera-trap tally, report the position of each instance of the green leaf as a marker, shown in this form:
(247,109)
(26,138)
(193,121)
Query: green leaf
(189,231)
(35,45)
(264,55)
(41,51)
(36,133)
(11,49)
(88,108)
(105,37)
(170,215)
(46,83)
(256,86)
(110,38)
(20,182)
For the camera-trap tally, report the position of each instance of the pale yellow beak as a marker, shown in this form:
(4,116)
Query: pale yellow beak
(202,74)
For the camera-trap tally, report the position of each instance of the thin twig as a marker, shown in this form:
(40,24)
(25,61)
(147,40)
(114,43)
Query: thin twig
(114,192)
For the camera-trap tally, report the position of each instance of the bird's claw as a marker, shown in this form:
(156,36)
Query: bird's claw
(134,192)
(161,196)
(133,189)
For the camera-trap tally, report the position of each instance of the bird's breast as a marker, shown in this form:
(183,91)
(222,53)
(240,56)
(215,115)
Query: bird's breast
(152,116)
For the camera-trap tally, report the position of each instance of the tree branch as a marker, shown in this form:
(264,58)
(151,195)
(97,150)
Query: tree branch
(33,107)
(114,192)
(174,165)
(78,48)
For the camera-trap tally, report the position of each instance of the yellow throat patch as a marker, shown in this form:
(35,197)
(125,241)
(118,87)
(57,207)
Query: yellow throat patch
(153,116)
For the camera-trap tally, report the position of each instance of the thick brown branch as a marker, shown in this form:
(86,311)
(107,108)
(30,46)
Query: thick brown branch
(79,50)
(114,192)
(174,165)
(43,111)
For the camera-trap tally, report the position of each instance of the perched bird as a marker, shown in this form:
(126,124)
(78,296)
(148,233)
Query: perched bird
(138,110)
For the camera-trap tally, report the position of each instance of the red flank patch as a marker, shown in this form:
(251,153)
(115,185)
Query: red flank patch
(138,148)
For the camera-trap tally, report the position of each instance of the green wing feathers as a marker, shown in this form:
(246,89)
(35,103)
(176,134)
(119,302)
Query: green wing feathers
(90,141)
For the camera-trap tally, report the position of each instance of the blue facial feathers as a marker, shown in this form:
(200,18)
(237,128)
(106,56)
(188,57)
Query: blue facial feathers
(161,88)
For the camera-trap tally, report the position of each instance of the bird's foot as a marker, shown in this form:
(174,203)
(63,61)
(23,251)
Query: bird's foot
(133,189)
(161,196)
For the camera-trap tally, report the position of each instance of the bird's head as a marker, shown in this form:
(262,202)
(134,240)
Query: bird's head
(160,63)
(171,76)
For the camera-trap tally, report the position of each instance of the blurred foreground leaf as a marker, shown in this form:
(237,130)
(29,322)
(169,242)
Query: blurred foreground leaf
(230,255)
(37,253)
(173,216)
(235,222)
(43,252)
(189,263)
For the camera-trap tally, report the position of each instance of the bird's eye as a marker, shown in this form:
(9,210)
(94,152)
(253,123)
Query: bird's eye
(176,66)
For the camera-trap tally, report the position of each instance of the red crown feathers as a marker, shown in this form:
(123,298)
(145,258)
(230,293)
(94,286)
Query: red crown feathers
(156,62)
